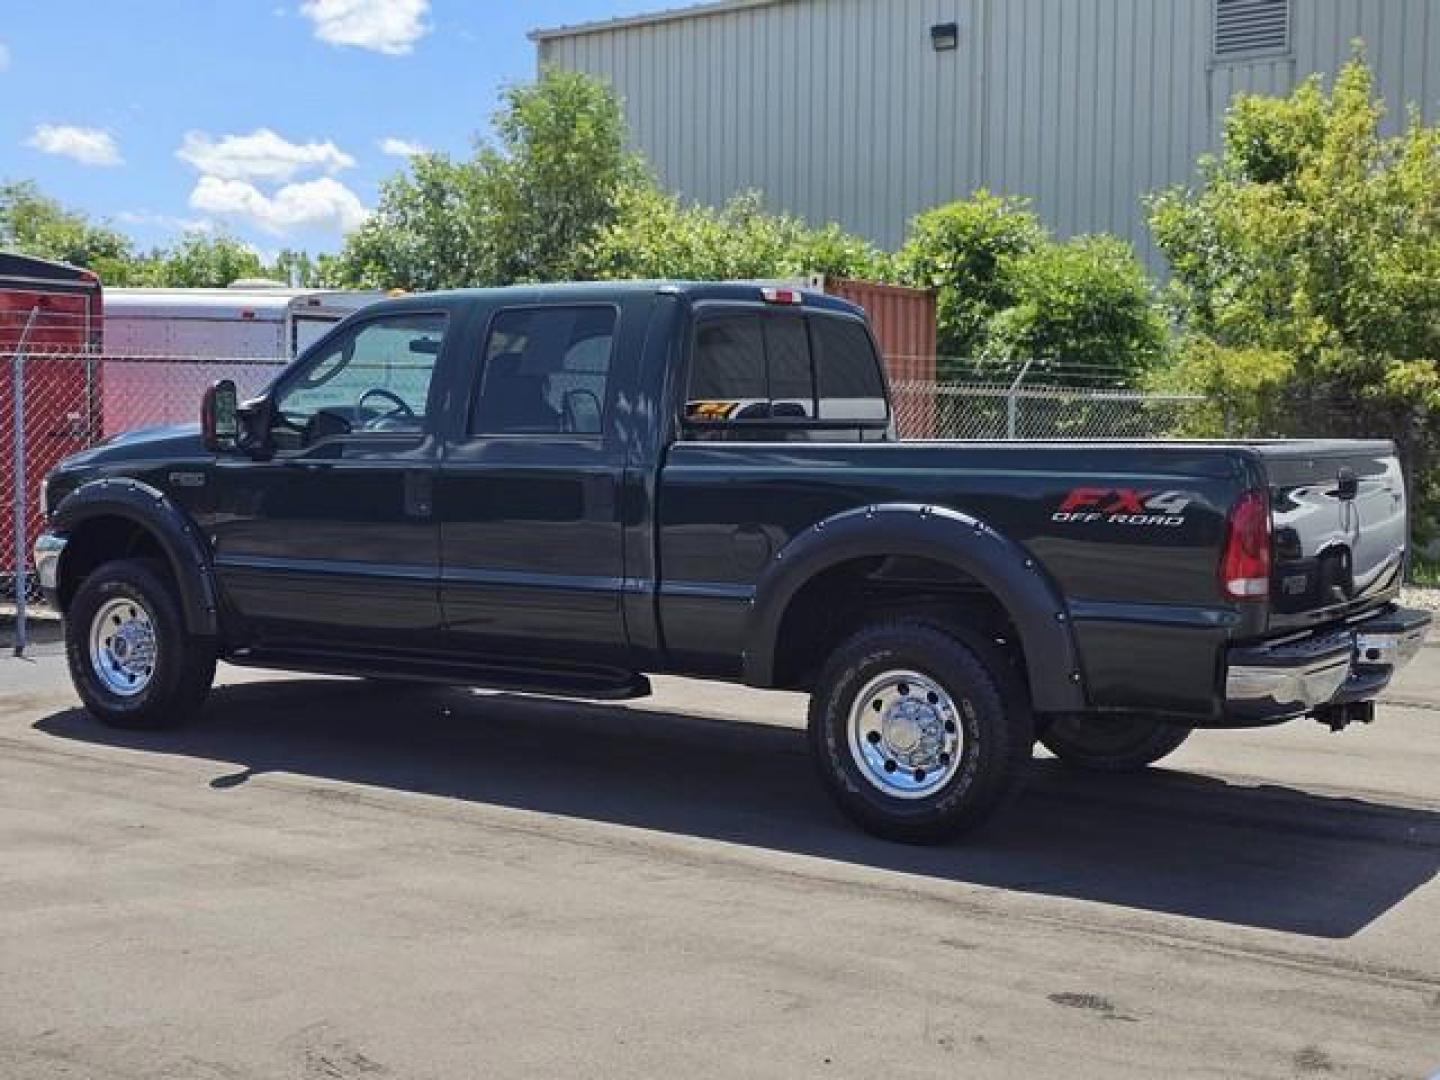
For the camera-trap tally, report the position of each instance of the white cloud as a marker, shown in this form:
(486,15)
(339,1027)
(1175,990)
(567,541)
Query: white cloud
(88,146)
(261,155)
(401,147)
(4,56)
(318,204)
(383,26)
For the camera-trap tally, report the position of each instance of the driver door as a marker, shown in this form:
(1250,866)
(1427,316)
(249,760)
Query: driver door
(332,544)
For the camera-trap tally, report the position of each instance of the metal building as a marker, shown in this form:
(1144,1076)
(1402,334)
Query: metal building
(865,112)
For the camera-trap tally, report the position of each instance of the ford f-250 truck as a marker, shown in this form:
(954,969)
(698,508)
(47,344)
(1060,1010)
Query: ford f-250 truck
(559,489)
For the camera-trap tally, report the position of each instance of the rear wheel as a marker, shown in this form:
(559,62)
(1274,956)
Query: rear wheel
(131,659)
(919,732)
(1112,744)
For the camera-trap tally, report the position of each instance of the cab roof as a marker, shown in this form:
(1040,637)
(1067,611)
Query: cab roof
(602,291)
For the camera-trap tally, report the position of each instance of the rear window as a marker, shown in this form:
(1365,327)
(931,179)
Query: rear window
(754,366)
(792,379)
(728,379)
(847,370)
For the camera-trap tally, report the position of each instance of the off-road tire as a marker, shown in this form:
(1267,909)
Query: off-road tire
(184,665)
(994,718)
(1112,745)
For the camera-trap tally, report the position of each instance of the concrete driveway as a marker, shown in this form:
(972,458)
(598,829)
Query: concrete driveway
(329,879)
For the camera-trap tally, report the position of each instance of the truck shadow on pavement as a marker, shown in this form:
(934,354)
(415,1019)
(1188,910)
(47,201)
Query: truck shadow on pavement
(1269,857)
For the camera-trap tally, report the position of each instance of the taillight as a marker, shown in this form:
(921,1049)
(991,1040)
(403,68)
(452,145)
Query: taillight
(782,296)
(1245,566)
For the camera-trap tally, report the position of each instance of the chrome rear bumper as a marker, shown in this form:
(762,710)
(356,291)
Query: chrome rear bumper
(1333,667)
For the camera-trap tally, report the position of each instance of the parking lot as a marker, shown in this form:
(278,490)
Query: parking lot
(331,879)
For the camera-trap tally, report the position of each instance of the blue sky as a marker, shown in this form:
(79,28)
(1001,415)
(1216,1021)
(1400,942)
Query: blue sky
(268,118)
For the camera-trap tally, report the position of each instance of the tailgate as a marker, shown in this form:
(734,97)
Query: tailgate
(1340,528)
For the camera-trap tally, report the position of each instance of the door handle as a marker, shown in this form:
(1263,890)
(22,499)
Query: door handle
(419,494)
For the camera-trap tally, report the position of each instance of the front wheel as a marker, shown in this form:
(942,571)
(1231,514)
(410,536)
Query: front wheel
(1112,744)
(131,659)
(919,732)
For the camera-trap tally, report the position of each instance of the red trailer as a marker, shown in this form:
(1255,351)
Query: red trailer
(61,305)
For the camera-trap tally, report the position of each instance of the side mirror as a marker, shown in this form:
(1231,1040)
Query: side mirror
(219,419)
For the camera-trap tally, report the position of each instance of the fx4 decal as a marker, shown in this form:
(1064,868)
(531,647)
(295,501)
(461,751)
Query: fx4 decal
(1124,506)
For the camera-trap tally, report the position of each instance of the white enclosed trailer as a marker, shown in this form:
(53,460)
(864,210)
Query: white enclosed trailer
(243,323)
(163,347)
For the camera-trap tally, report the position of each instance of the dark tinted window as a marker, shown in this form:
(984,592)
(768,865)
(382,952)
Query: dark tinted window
(546,371)
(847,371)
(727,375)
(792,384)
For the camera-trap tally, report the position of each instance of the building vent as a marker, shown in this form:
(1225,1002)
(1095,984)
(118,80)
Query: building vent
(1251,28)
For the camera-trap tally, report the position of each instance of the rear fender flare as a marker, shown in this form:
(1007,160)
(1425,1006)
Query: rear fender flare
(1017,580)
(177,535)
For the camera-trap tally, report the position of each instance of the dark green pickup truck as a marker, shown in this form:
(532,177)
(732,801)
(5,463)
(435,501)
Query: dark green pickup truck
(558,489)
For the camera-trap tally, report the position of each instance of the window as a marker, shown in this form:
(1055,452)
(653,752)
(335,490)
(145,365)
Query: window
(727,379)
(1245,28)
(546,372)
(792,382)
(850,385)
(374,379)
(783,367)
(749,367)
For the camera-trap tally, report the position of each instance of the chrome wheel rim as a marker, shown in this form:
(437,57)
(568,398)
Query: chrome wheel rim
(122,647)
(906,734)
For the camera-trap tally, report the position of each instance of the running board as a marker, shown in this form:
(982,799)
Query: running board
(594,684)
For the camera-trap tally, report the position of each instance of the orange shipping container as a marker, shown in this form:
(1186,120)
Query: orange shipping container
(904,323)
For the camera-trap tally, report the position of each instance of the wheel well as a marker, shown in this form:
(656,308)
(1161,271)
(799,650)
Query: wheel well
(98,540)
(839,600)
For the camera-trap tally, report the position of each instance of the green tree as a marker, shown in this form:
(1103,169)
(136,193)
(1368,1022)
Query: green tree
(959,250)
(35,224)
(426,233)
(1316,236)
(201,260)
(557,196)
(1084,308)
(555,179)
(526,208)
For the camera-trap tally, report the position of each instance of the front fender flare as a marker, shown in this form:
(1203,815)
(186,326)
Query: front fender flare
(155,512)
(1016,579)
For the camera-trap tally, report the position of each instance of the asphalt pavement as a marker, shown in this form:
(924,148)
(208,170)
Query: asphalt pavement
(329,879)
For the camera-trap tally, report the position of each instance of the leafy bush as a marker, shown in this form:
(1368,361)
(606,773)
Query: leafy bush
(959,250)
(1315,236)
(1244,388)
(1084,306)
(656,236)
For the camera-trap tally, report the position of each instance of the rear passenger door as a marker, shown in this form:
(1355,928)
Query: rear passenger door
(528,496)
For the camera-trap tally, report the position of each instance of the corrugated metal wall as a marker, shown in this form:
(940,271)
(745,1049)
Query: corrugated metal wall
(840,110)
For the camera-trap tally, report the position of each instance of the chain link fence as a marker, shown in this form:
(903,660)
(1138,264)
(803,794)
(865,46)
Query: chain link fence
(1004,411)
(56,402)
